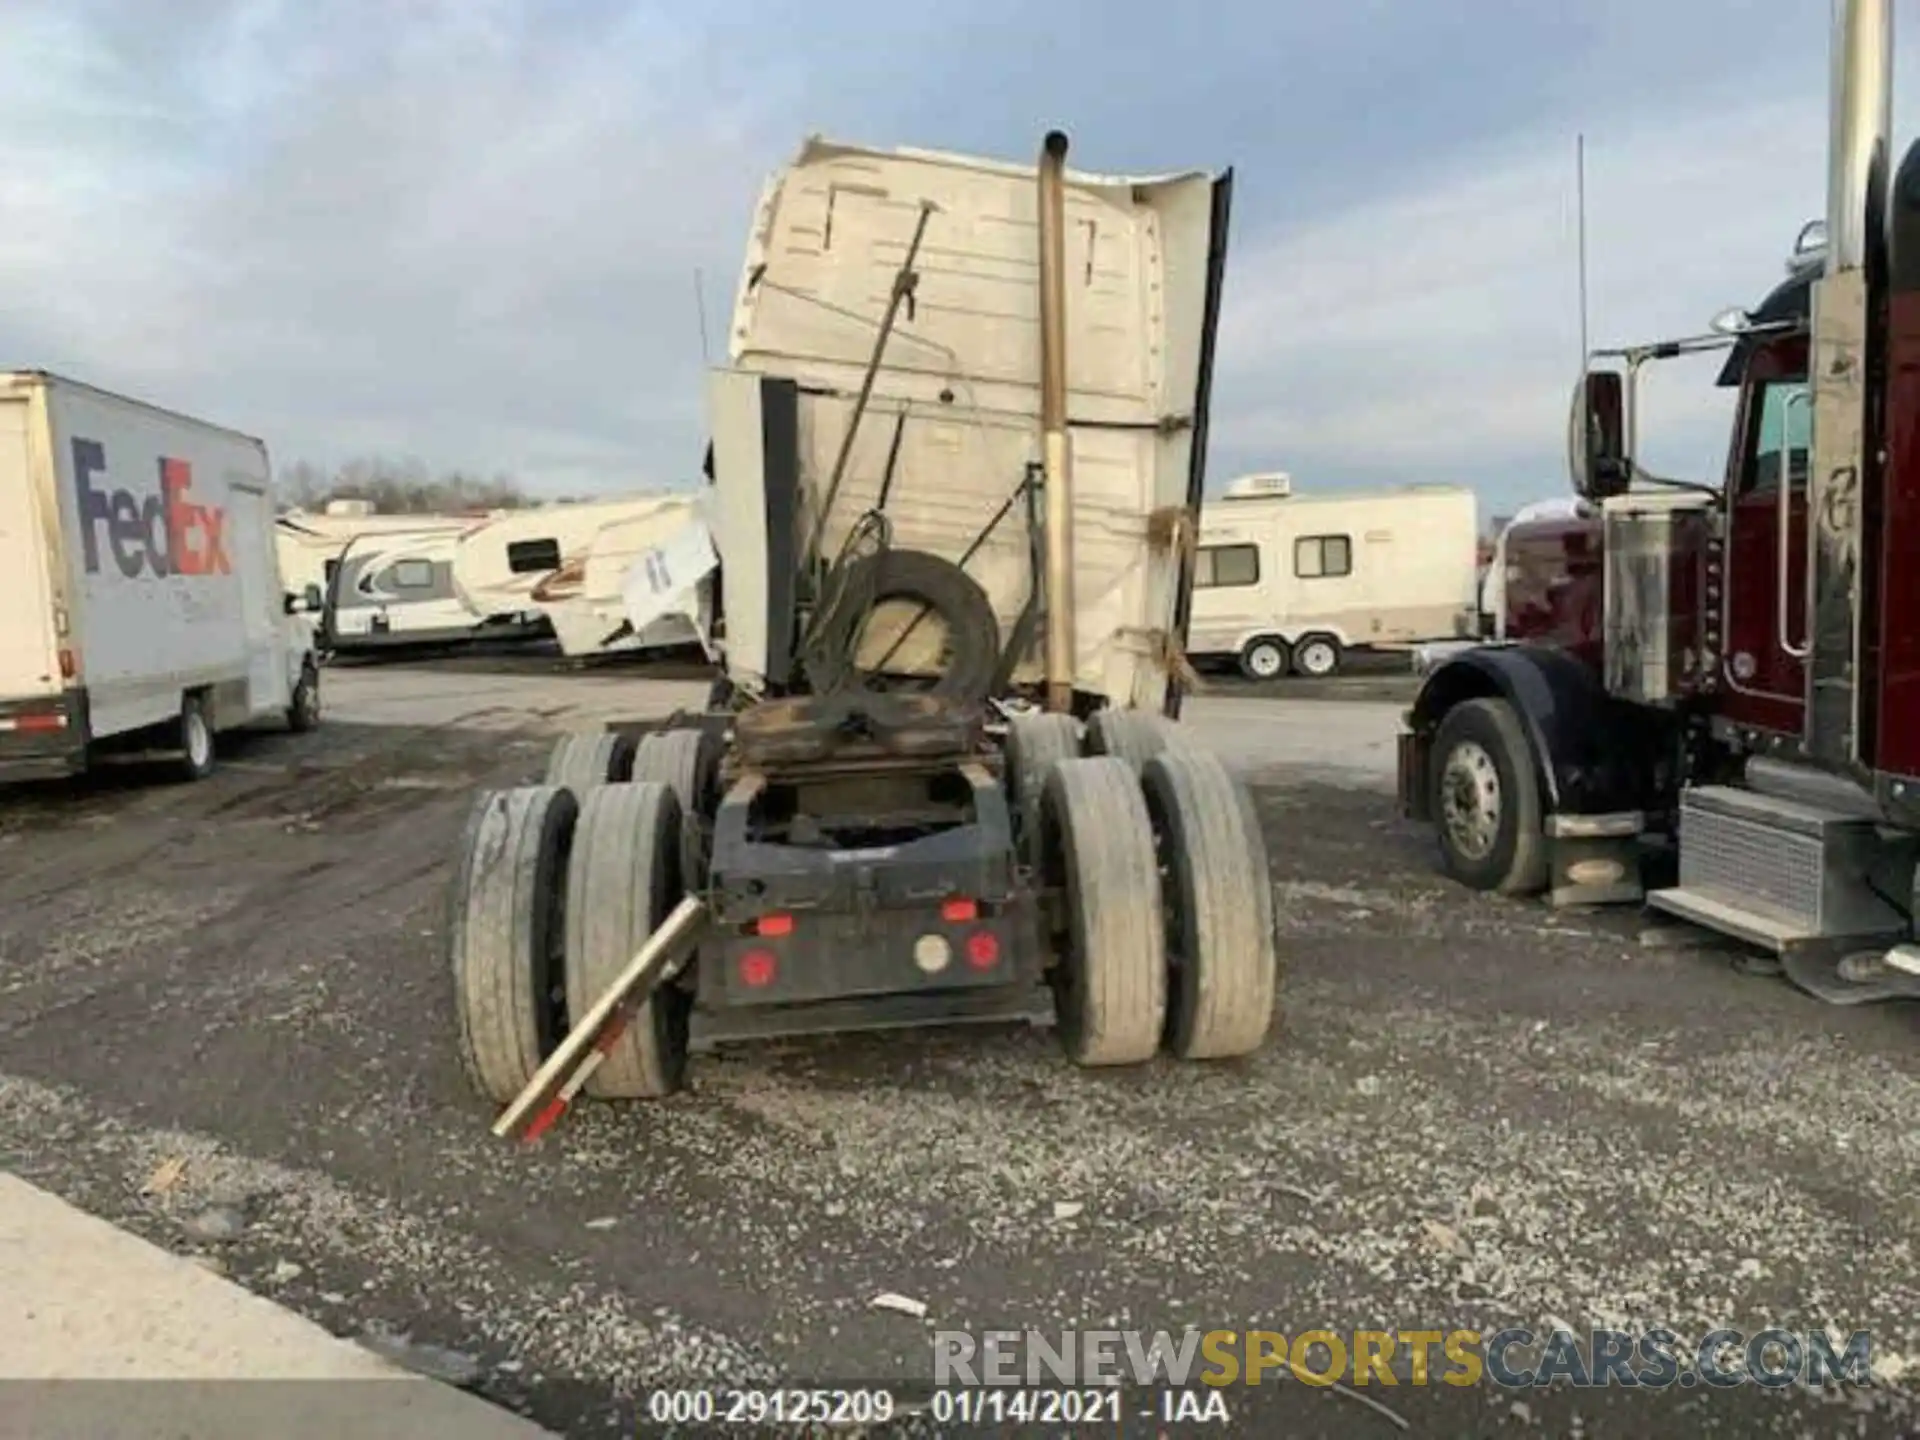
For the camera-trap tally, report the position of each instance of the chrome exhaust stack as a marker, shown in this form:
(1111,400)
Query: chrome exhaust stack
(1845,307)
(1056,455)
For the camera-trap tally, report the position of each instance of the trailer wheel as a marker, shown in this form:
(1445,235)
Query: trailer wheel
(1218,897)
(196,738)
(507,936)
(587,759)
(622,879)
(1111,980)
(686,761)
(1265,657)
(1134,736)
(1316,656)
(1035,744)
(303,707)
(1485,799)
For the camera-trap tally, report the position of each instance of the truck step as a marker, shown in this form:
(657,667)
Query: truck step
(1777,871)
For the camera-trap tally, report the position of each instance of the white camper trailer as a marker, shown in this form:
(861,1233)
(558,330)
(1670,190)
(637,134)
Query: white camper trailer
(310,545)
(572,564)
(1293,582)
(396,590)
(141,605)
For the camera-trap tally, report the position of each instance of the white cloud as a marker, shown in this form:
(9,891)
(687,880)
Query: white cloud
(1433,334)
(467,231)
(446,234)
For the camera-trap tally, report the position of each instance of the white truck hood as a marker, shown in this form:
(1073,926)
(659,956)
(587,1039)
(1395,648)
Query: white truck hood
(1144,263)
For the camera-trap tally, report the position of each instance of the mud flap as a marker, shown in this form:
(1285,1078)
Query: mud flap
(1847,976)
(1413,776)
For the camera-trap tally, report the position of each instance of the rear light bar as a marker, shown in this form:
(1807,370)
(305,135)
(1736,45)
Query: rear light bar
(44,723)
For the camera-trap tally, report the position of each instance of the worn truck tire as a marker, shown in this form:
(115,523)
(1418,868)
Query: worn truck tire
(1485,800)
(973,631)
(1035,744)
(589,758)
(505,936)
(1134,736)
(686,761)
(1223,967)
(1111,979)
(622,879)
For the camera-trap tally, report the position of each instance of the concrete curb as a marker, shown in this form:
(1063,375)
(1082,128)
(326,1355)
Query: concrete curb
(82,1301)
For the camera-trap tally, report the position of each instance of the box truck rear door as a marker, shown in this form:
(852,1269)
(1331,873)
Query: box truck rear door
(29,658)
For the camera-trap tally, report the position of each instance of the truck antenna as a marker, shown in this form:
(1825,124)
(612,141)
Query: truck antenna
(1580,222)
(700,305)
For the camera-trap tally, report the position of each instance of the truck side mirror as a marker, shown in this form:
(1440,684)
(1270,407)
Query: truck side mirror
(1597,437)
(316,599)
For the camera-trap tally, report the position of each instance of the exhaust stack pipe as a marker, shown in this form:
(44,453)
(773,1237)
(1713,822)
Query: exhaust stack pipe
(1056,457)
(1860,131)
(1842,372)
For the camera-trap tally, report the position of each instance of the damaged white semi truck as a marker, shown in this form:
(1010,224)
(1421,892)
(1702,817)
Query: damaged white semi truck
(958,451)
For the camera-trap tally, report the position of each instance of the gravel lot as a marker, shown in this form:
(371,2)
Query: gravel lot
(1476,1112)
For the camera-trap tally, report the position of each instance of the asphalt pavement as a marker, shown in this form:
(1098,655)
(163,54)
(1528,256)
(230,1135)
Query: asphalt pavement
(1474,1113)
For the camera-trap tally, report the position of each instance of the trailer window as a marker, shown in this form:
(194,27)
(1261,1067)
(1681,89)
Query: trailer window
(1221,565)
(1783,429)
(525,557)
(1323,557)
(408,575)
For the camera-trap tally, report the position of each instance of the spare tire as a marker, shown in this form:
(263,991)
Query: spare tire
(942,587)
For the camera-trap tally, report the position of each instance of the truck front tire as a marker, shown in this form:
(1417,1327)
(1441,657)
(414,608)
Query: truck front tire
(303,709)
(1484,793)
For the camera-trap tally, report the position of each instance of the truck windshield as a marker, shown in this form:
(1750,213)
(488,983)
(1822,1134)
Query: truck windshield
(1784,433)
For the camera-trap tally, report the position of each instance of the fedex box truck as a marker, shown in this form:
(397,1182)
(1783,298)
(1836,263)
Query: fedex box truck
(141,605)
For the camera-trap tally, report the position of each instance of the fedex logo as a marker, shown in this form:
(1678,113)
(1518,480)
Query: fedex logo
(160,534)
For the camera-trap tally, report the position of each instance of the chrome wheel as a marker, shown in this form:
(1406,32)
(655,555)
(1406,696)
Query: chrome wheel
(1265,661)
(1470,800)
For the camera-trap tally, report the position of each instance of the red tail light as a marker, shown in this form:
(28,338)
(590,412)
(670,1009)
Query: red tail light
(959,912)
(983,950)
(773,927)
(40,724)
(757,969)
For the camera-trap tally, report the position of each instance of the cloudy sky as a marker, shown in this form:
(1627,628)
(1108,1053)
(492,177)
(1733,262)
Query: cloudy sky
(467,230)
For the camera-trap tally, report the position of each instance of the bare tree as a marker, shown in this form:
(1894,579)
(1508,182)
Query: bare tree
(399,486)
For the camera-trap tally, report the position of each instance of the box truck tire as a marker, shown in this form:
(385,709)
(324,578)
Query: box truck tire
(196,739)
(303,710)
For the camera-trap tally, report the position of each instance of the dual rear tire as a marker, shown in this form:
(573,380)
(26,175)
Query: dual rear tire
(1161,899)
(558,885)
(1161,903)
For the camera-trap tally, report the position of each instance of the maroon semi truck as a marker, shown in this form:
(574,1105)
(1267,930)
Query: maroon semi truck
(1709,695)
